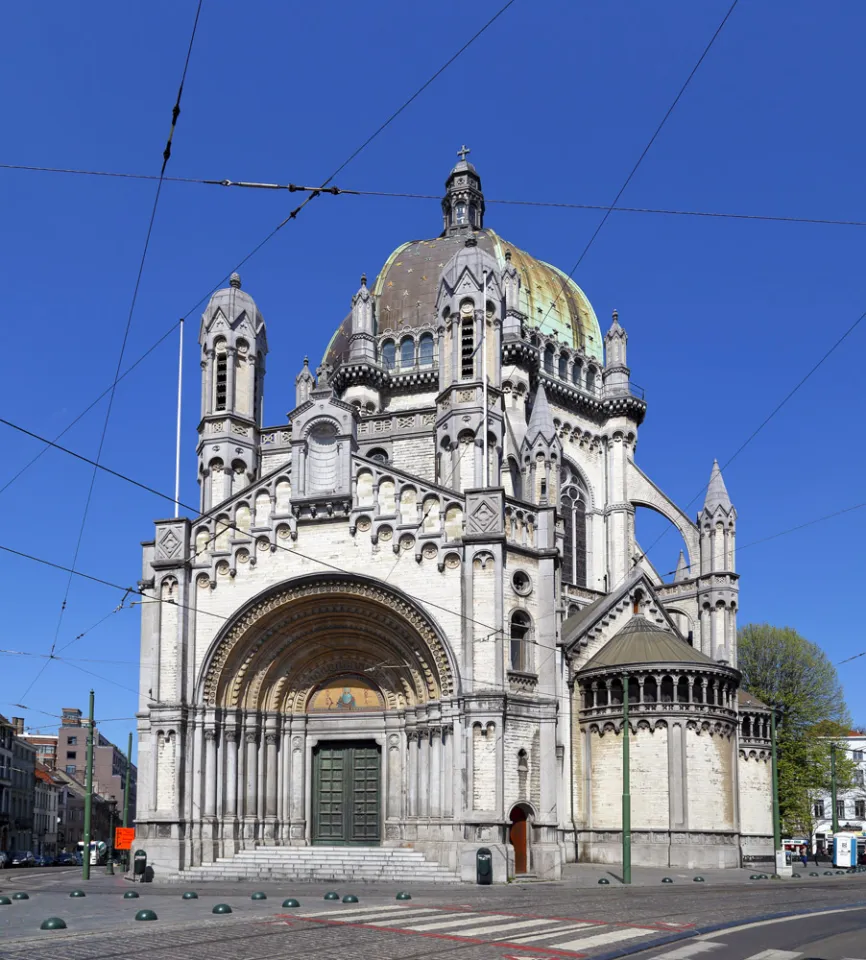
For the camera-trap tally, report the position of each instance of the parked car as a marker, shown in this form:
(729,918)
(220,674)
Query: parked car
(43,861)
(23,858)
(4,860)
(65,860)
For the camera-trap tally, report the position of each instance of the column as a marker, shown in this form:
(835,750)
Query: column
(448,770)
(231,395)
(251,738)
(423,767)
(412,773)
(210,771)
(435,771)
(394,809)
(299,766)
(271,774)
(230,745)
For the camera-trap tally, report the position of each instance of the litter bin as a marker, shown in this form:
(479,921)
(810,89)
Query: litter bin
(484,866)
(139,865)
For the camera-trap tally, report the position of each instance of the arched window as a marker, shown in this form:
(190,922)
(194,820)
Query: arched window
(683,690)
(519,649)
(563,367)
(473,213)
(467,340)
(322,459)
(516,478)
(407,353)
(425,350)
(577,373)
(548,359)
(388,352)
(379,455)
(650,690)
(460,213)
(590,379)
(220,379)
(667,690)
(572,505)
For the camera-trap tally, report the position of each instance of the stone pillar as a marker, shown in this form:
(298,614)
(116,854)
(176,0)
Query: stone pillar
(412,774)
(210,772)
(299,767)
(436,772)
(231,394)
(423,789)
(230,744)
(448,768)
(251,738)
(271,757)
(394,808)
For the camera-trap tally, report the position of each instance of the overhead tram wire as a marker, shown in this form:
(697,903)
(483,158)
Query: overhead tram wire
(165,158)
(315,191)
(640,159)
(550,204)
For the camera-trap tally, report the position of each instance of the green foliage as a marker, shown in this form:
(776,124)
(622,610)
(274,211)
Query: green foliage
(784,669)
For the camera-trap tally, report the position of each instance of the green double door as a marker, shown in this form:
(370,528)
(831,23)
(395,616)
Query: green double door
(346,801)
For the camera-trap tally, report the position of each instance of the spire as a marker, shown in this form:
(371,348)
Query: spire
(541,421)
(682,571)
(304,383)
(717,493)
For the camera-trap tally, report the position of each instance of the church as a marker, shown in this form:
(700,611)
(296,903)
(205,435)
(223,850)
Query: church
(408,617)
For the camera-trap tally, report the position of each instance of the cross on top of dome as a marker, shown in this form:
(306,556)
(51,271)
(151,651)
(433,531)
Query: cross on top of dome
(463,152)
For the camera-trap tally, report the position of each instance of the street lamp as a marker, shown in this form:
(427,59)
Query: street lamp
(833,788)
(626,787)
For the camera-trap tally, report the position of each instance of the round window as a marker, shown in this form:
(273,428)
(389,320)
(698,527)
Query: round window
(521,583)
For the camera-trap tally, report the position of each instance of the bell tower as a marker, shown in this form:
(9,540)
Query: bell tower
(234,346)
(463,203)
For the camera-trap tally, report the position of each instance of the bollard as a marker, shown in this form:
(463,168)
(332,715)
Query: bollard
(259,895)
(146,915)
(20,896)
(291,902)
(53,923)
(222,908)
(402,895)
(331,895)
(699,880)
(666,880)
(603,881)
(350,898)
(78,893)
(131,895)
(190,895)
(5,902)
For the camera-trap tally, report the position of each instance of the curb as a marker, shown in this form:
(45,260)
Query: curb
(714,927)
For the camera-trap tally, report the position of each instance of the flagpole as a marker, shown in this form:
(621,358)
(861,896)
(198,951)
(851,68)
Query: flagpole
(177,441)
(485,472)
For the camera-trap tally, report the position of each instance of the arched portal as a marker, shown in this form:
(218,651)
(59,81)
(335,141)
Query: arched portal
(518,836)
(325,704)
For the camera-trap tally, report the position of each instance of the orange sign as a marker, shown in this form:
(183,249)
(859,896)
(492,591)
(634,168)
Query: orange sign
(123,837)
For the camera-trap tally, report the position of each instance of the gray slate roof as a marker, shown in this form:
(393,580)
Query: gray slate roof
(746,699)
(642,642)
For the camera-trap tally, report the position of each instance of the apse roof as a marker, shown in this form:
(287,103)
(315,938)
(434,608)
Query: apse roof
(642,642)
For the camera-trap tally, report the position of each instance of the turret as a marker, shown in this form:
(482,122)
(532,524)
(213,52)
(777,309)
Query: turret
(514,316)
(463,203)
(717,583)
(541,454)
(616,372)
(363,391)
(234,346)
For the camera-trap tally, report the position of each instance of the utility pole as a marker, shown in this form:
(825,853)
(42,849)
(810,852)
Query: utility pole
(777,830)
(626,787)
(88,798)
(833,788)
(126,790)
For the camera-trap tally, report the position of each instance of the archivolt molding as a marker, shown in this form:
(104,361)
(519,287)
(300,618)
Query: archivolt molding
(427,673)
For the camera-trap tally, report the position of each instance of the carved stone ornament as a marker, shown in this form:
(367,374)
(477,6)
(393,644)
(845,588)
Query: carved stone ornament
(169,543)
(484,514)
(210,734)
(271,739)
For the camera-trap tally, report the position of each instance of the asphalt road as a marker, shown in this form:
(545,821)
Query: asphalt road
(559,921)
(832,935)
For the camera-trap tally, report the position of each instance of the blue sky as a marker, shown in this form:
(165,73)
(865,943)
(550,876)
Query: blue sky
(556,100)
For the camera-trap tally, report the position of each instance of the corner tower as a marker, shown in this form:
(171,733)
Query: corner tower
(234,346)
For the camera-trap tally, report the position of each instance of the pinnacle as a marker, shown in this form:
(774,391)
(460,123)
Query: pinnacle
(717,493)
(541,421)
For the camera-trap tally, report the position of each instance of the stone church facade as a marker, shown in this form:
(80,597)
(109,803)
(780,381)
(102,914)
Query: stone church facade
(409,615)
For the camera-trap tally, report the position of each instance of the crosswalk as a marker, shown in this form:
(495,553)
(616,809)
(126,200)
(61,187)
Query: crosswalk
(554,936)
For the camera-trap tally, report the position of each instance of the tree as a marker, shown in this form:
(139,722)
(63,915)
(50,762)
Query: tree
(786,670)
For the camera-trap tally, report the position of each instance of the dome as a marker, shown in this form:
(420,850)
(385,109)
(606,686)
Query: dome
(407,285)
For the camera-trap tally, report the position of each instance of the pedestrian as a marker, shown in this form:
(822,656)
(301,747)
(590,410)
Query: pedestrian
(804,858)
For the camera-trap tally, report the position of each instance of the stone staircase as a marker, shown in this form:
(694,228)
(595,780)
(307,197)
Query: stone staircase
(359,864)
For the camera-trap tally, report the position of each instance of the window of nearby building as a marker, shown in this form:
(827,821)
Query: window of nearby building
(70,769)
(840,808)
(860,809)
(71,741)
(857,756)
(71,754)
(860,778)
